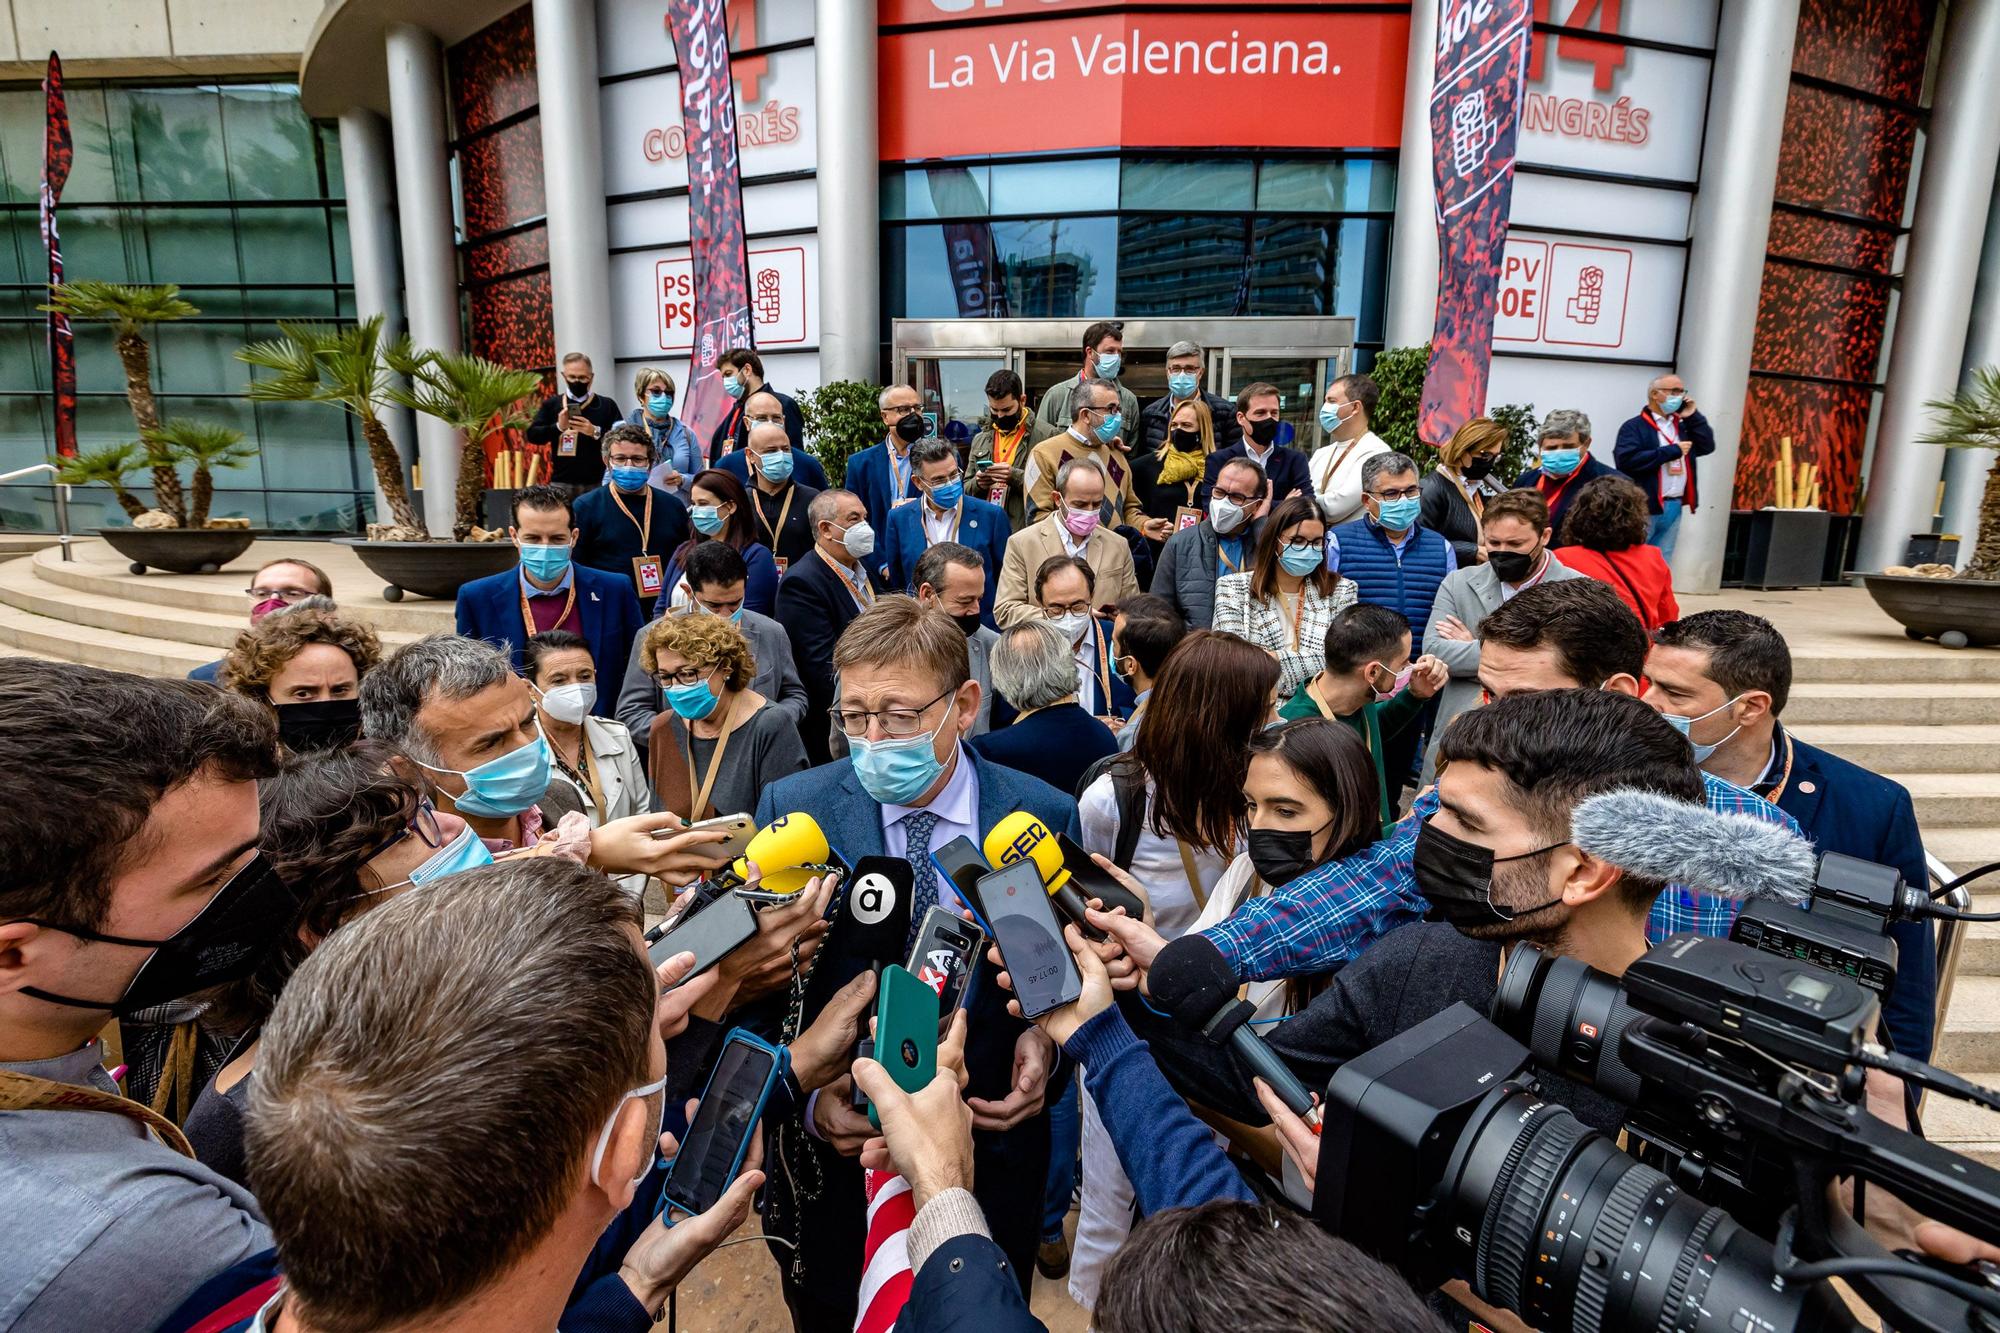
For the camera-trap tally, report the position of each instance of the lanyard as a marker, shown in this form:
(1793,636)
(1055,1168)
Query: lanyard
(1672,437)
(1474,501)
(1005,445)
(1103,665)
(1193,876)
(646,528)
(899,475)
(586,771)
(862,593)
(784,511)
(1334,466)
(528,616)
(700,806)
(957,513)
(1223,555)
(1784,774)
(1556,494)
(1298,613)
(25,1092)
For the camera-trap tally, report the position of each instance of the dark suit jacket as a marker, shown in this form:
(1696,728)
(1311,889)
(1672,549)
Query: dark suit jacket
(1641,453)
(1559,500)
(806,470)
(1289,471)
(981,526)
(729,432)
(868,476)
(815,606)
(1154,416)
(1056,745)
(490,609)
(966,1287)
(1845,808)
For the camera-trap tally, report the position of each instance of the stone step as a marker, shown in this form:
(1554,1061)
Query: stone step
(23,587)
(1944,800)
(1966,849)
(106,648)
(1981,956)
(1974,703)
(1971,1038)
(1962,1126)
(14,545)
(98,569)
(1864,665)
(1889,748)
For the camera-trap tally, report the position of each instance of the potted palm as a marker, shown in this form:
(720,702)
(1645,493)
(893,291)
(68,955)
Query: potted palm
(1962,608)
(478,399)
(195,547)
(112,466)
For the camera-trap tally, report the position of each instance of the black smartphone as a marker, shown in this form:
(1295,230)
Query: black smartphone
(961,862)
(1030,938)
(711,1155)
(945,955)
(710,933)
(1092,881)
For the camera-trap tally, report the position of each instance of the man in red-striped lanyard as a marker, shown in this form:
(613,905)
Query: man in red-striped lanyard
(1658,448)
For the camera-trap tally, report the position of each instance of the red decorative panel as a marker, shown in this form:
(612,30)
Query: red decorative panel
(1814,322)
(1877,46)
(1821,241)
(500,177)
(506,254)
(511,321)
(1826,423)
(492,73)
(1845,155)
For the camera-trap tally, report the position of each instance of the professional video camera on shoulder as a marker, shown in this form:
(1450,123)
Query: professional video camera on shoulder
(1744,1070)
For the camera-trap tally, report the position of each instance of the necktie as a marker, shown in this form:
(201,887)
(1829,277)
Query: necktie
(917,826)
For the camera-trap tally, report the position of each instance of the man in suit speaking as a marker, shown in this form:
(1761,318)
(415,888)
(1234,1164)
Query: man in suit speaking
(908,786)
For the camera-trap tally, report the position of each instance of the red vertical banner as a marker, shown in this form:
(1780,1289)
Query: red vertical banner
(57,152)
(700,33)
(1482,54)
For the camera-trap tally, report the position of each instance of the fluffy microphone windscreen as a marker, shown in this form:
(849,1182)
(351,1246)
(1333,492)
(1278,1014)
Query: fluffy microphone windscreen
(1658,837)
(1191,980)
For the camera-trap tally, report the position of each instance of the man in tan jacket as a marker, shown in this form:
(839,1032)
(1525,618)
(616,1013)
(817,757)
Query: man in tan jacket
(1073,527)
(1093,431)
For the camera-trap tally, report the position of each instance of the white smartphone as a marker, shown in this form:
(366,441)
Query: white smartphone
(740,828)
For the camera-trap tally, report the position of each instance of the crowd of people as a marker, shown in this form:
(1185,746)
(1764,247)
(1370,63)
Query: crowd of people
(324,1001)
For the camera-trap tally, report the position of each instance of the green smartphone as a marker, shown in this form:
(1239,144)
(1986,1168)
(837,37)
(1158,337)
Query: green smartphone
(906,1031)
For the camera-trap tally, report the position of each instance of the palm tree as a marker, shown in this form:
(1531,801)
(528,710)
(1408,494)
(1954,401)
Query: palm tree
(1971,420)
(348,368)
(109,466)
(131,311)
(205,445)
(467,393)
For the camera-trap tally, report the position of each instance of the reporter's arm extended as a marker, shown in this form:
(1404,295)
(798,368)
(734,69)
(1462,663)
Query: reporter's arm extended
(1171,1157)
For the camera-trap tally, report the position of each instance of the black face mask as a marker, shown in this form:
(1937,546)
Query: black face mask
(968,625)
(578,389)
(913,428)
(1476,469)
(1456,879)
(1263,432)
(1006,420)
(1187,441)
(319,725)
(1513,566)
(1280,855)
(224,942)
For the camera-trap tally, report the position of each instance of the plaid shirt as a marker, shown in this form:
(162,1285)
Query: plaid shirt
(1325,918)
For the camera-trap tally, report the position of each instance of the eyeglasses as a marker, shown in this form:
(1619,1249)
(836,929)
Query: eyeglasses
(1234,497)
(288,594)
(1305,544)
(423,823)
(1081,608)
(687,675)
(1403,493)
(954,478)
(897,411)
(897,723)
(766,421)
(627,460)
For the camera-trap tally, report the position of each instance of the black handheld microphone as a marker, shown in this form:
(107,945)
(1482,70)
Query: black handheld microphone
(1192,981)
(874,918)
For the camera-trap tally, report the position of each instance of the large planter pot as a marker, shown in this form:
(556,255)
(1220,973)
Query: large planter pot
(430,569)
(1958,613)
(1787,548)
(178,550)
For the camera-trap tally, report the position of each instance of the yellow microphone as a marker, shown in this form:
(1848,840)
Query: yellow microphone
(1021,836)
(790,851)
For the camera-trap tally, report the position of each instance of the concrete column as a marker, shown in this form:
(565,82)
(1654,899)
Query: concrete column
(850,220)
(1732,224)
(369,184)
(1413,247)
(430,263)
(573,184)
(1953,198)
(1965,469)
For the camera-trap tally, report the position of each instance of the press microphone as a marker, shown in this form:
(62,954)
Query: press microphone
(1679,842)
(874,918)
(1193,982)
(1022,837)
(789,851)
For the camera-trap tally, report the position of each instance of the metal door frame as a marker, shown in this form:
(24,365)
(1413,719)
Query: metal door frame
(1328,337)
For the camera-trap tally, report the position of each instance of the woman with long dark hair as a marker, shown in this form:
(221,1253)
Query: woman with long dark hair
(720,510)
(1286,599)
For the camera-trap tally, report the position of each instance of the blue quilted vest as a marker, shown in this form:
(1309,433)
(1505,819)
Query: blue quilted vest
(1408,585)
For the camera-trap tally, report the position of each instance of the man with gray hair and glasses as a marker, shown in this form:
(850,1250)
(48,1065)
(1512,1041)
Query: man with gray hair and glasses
(1187,366)
(455,707)
(1566,464)
(1054,738)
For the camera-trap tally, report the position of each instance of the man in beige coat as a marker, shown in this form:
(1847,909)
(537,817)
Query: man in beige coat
(1073,527)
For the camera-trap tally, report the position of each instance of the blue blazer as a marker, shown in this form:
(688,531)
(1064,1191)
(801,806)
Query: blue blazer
(966,1287)
(1845,808)
(981,526)
(1289,471)
(1640,454)
(806,470)
(868,476)
(490,609)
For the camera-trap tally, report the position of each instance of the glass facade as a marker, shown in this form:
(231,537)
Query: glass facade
(229,191)
(1141,235)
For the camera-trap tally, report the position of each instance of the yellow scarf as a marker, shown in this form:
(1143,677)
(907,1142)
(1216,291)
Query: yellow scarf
(1178,465)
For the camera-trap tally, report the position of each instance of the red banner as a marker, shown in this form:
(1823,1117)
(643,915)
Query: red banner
(699,29)
(1482,59)
(1299,79)
(57,152)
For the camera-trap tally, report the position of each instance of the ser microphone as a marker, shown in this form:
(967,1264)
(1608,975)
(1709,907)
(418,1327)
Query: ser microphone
(1022,837)
(1193,981)
(1679,842)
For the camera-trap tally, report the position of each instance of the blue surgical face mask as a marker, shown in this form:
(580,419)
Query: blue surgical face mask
(629,478)
(776,466)
(1673,402)
(465,852)
(692,702)
(1302,560)
(896,772)
(506,786)
(1329,417)
(707,519)
(659,404)
(1181,384)
(1398,515)
(1107,429)
(948,495)
(1685,726)
(732,386)
(1109,364)
(545,562)
(1560,462)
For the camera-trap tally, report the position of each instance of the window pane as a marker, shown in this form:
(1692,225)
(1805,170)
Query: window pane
(190,245)
(1180,265)
(200,358)
(284,245)
(22,258)
(24,356)
(1169,186)
(1062,268)
(1054,187)
(286,303)
(271,145)
(176,136)
(103,168)
(1361,277)
(21,144)
(1294,268)
(306,447)
(327,511)
(98,369)
(1295,186)
(938,192)
(99,243)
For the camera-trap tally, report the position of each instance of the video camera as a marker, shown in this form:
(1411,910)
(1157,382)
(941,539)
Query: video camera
(1744,1072)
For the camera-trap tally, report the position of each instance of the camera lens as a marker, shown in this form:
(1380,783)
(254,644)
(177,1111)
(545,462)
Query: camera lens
(1571,1016)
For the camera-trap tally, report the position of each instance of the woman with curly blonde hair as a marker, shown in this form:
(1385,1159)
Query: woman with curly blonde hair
(717,742)
(305,663)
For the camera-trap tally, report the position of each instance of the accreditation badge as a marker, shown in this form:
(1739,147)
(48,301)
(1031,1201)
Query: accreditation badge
(567,447)
(1185,517)
(648,573)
